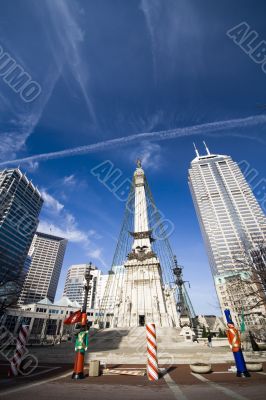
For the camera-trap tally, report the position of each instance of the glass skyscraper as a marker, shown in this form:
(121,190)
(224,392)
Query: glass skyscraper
(231,220)
(20,205)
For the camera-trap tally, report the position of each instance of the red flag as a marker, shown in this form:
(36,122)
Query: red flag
(73,318)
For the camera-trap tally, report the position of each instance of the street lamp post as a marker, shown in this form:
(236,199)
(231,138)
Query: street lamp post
(47,326)
(80,353)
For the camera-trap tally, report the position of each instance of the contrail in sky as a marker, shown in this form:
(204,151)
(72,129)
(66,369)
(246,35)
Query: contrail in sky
(214,128)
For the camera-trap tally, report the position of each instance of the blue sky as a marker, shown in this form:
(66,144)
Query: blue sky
(113,69)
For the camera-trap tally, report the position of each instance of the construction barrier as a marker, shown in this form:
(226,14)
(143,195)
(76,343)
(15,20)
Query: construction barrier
(152,363)
(137,372)
(20,350)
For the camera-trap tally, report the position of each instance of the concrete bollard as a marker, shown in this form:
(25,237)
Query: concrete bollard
(94,369)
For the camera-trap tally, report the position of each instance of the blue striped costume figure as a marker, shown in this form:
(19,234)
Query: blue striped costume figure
(235,344)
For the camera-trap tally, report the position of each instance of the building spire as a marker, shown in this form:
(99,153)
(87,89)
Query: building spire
(207,150)
(196,150)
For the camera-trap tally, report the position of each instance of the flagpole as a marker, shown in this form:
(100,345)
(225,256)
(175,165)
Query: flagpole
(78,372)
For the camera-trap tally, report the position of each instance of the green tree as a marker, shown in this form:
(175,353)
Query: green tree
(204,332)
(221,333)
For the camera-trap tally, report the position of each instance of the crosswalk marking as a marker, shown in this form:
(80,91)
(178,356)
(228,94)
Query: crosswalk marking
(228,392)
(177,392)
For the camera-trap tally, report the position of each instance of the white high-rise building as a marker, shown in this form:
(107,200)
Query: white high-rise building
(101,285)
(45,259)
(231,220)
(74,285)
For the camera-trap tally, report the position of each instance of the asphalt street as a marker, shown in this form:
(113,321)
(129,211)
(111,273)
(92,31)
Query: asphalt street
(177,382)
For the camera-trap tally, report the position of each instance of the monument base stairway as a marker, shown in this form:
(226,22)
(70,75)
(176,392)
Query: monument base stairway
(120,345)
(128,346)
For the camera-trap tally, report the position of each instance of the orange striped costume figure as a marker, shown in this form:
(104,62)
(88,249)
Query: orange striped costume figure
(233,338)
(235,344)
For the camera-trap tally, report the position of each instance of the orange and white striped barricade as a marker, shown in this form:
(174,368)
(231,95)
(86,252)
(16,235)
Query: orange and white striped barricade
(152,362)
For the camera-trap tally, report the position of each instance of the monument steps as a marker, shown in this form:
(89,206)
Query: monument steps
(134,340)
(128,351)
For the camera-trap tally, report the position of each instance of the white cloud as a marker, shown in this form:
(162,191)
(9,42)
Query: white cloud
(172,27)
(64,17)
(149,154)
(150,9)
(95,253)
(66,39)
(72,233)
(32,166)
(68,232)
(65,225)
(225,127)
(10,143)
(69,180)
(50,202)
(24,120)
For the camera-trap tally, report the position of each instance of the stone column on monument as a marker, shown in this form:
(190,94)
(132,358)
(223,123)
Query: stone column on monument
(118,303)
(156,310)
(128,310)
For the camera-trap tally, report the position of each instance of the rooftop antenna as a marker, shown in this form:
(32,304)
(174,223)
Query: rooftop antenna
(196,150)
(207,150)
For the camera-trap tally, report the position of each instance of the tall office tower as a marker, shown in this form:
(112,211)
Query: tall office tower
(74,285)
(20,205)
(232,223)
(46,258)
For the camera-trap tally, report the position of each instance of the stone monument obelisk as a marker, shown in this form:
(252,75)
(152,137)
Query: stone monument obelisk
(143,298)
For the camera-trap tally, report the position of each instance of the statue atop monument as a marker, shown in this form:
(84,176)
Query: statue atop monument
(138,163)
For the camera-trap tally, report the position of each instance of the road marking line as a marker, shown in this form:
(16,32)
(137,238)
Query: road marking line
(36,373)
(38,366)
(28,386)
(179,395)
(42,372)
(142,368)
(261,373)
(223,389)
(222,372)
